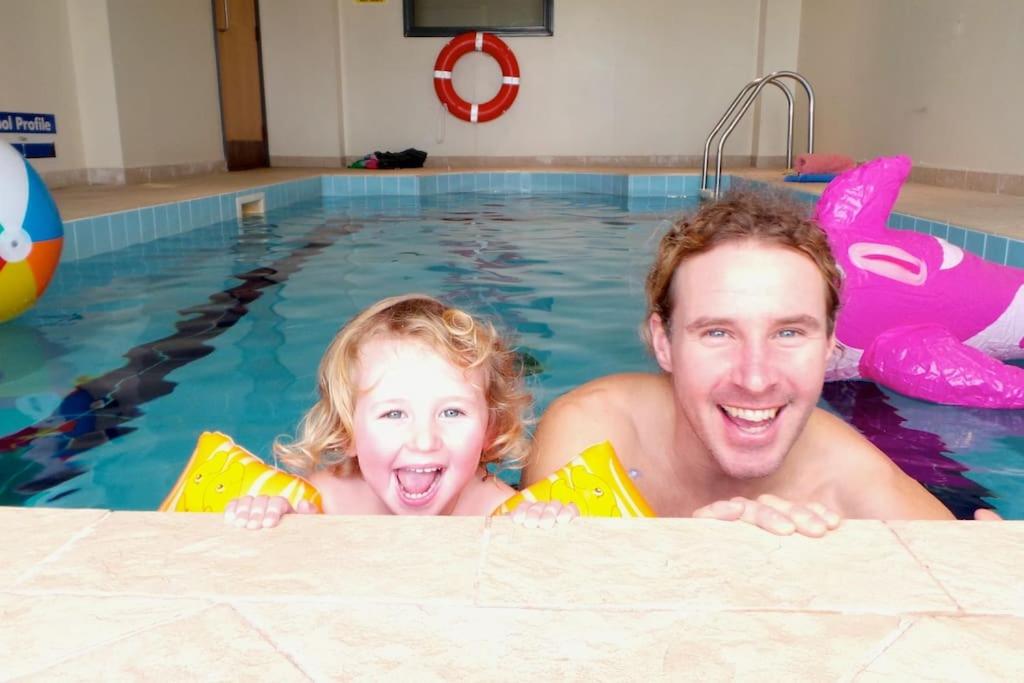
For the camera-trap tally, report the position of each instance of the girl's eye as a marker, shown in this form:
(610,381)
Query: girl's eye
(452,412)
(392,415)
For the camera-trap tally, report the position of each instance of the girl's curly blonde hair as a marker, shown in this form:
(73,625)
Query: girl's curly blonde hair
(325,435)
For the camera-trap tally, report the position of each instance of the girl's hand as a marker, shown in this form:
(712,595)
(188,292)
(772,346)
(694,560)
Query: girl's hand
(544,515)
(774,514)
(260,512)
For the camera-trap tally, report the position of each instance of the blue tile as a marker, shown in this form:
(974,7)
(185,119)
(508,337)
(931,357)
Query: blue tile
(957,236)
(85,240)
(691,185)
(675,185)
(939,229)
(1015,254)
(995,249)
(975,243)
(134,226)
(428,185)
(639,186)
(525,182)
(409,185)
(101,234)
(357,186)
(373,186)
(659,186)
(118,231)
(389,186)
(148,223)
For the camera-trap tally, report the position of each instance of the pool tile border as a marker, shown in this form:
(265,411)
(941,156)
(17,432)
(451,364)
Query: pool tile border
(94,235)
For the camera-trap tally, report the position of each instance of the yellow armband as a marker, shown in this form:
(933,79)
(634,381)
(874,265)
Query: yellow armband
(594,480)
(220,471)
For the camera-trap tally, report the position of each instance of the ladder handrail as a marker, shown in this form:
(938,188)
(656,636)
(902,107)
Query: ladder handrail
(770,78)
(728,112)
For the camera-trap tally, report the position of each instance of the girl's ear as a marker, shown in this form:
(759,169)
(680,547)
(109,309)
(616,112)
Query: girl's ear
(660,342)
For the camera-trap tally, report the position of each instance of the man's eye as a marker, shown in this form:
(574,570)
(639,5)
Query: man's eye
(392,415)
(715,333)
(790,333)
(452,412)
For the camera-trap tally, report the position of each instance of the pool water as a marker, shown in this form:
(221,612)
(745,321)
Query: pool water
(106,384)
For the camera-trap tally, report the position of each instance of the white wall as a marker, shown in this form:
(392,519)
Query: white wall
(41,81)
(647,77)
(302,78)
(93,67)
(166,73)
(132,83)
(939,80)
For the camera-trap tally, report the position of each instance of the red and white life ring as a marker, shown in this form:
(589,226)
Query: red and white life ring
(480,42)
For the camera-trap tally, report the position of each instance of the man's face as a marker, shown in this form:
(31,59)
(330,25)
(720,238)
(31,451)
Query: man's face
(747,350)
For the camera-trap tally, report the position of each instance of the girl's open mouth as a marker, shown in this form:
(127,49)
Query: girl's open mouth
(418,485)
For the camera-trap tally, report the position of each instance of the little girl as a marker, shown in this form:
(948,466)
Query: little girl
(415,399)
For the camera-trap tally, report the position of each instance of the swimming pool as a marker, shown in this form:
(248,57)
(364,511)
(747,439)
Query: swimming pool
(107,382)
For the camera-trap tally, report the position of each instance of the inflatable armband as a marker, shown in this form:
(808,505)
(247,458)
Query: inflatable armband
(594,480)
(220,471)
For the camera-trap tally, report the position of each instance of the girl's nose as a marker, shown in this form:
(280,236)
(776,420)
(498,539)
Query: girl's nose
(424,436)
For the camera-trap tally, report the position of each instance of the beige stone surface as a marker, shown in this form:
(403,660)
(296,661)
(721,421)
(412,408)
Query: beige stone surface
(953,649)
(164,596)
(198,555)
(692,564)
(566,643)
(30,539)
(214,645)
(981,567)
(38,631)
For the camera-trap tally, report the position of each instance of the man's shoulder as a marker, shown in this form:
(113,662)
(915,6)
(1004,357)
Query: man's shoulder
(615,394)
(864,482)
(616,408)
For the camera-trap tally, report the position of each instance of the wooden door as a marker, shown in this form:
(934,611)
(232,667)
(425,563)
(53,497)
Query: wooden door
(241,83)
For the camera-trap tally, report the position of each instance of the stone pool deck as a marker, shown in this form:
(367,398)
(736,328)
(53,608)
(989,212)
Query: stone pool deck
(99,595)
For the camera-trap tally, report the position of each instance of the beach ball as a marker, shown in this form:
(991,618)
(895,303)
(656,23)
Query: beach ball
(31,234)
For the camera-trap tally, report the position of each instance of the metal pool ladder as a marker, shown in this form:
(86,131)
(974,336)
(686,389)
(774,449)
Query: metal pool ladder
(743,100)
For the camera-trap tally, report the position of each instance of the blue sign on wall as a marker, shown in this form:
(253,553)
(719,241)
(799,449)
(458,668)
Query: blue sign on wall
(27,124)
(36,150)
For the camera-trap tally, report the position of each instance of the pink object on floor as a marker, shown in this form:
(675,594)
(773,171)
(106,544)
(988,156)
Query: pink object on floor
(822,163)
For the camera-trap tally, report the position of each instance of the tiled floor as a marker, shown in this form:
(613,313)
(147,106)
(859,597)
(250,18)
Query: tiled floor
(999,214)
(93,595)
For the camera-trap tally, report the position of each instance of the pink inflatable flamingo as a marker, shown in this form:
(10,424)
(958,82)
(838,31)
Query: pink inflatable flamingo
(919,315)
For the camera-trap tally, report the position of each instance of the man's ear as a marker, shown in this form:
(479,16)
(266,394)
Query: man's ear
(835,349)
(660,342)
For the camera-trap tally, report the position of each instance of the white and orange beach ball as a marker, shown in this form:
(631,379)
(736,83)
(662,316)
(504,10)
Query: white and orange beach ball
(31,234)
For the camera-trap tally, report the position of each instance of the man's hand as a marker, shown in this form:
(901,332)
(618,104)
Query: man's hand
(985,515)
(262,512)
(773,514)
(544,515)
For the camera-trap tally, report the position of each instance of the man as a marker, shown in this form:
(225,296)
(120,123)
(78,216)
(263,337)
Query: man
(742,302)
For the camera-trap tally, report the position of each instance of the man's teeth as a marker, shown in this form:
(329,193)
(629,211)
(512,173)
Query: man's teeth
(751,415)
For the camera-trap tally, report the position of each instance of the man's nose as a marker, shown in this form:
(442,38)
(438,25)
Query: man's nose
(756,369)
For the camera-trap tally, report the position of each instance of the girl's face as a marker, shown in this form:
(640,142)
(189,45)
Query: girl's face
(420,424)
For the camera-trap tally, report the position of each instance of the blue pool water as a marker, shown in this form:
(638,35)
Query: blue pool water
(105,385)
